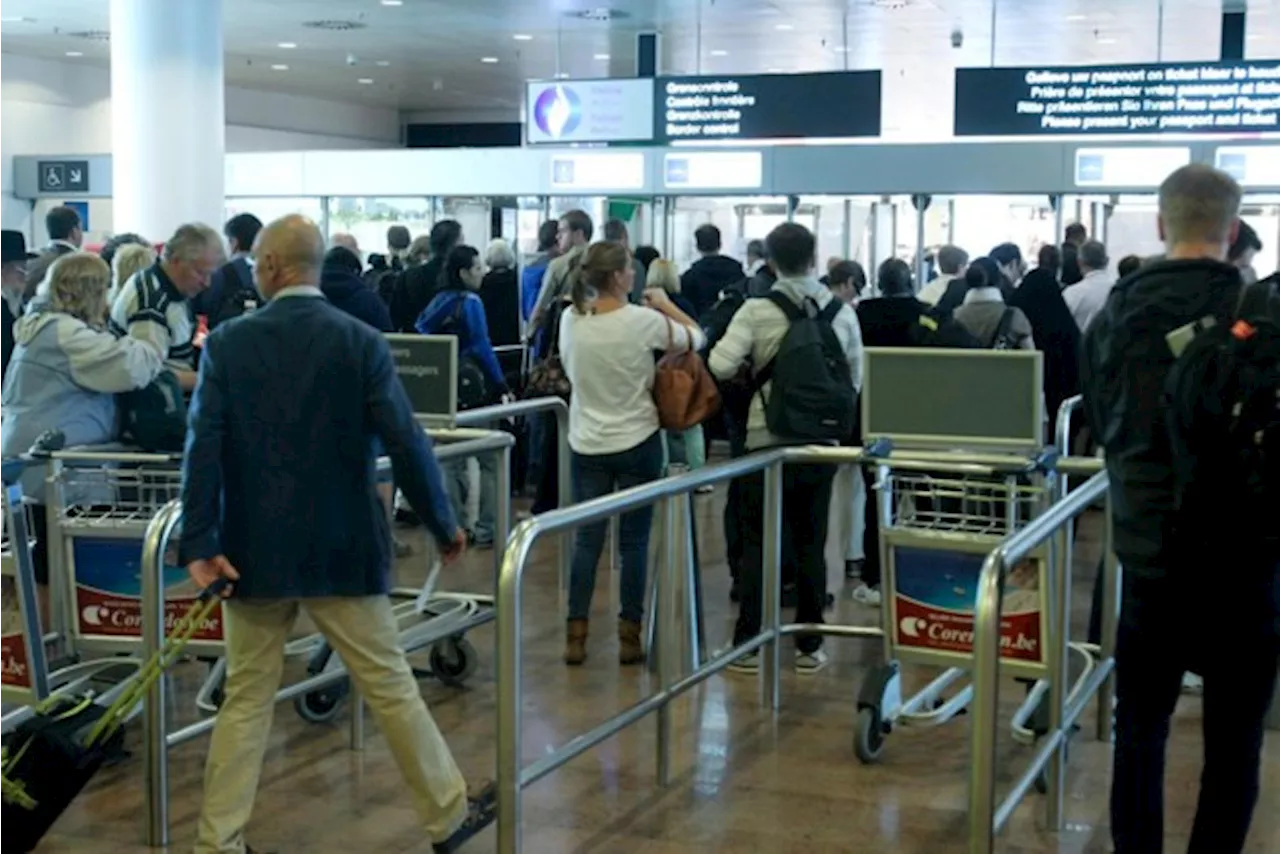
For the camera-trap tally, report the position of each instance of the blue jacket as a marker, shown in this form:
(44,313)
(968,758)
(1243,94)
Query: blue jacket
(349,293)
(279,472)
(530,284)
(473,334)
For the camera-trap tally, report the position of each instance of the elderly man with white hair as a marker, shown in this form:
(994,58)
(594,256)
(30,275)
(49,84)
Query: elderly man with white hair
(153,305)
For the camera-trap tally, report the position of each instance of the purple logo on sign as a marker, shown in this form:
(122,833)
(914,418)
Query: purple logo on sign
(558,111)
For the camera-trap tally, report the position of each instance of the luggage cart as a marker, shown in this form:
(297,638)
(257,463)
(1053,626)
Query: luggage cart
(938,522)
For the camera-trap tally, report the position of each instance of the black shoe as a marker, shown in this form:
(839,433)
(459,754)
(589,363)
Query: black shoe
(853,568)
(482,808)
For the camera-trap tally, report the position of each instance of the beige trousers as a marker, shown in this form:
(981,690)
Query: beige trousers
(363,631)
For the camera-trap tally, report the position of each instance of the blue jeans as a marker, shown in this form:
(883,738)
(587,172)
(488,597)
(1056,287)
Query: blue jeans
(596,475)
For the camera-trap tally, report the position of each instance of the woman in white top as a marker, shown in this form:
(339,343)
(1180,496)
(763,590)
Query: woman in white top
(607,346)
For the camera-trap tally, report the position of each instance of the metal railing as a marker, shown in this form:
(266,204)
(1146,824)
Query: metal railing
(986,819)
(157,739)
(488,415)
(513,777)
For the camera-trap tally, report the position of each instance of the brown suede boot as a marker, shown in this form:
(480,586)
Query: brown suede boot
(630,646)
(575,644)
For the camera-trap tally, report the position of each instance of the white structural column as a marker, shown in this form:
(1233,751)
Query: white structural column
(167,115)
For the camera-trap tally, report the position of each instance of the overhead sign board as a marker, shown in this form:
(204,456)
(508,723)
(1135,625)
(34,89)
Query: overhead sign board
(837,104)
(1251,165)
(428,368)
(598,171)
(713,170)
(1188,97)
(666,110)
(63,176)
(561,112)
(1130,166)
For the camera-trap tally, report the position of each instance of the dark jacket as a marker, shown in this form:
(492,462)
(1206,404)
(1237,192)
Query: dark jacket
(896,322)
(38,266)
(702,283)
(414,291)
(349,293)
(279,471)
(231,293)
(1056,335)
(6,327)
(1071,264)
(473,331)
(1124,360)
(500,293)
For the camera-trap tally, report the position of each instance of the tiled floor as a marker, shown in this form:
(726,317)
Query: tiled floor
(743,781)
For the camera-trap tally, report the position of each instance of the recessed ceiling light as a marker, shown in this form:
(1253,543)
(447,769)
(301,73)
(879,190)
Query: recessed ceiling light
(383,63)
(522,37)
(366,81)
(392,2)
(773,70)
(783,27)
(602,56)
(287,45)
(1106,40)
(1077,17)
(279,66)
(841,49)
(489,60)
(17,19)
(74,53)
(719,53)
(562,75)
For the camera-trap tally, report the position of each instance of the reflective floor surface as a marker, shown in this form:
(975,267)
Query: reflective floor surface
(743,780)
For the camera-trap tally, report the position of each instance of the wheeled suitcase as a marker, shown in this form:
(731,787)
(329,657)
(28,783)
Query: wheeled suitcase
(53,756)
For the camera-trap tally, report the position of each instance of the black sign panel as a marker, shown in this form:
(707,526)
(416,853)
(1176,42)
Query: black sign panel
(1189,97)
(767,106)
(428,369)
(63,176)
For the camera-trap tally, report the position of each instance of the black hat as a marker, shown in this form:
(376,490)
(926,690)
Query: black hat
(14,245)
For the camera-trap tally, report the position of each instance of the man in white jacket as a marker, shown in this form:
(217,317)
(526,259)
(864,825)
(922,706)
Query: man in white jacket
(752,340)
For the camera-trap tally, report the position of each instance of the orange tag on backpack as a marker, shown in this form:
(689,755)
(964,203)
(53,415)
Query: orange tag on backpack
(1243,330)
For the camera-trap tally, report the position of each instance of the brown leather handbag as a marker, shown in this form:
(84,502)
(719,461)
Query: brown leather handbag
(683,388)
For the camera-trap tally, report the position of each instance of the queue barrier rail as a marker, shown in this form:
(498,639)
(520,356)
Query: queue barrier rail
(157,737)
(673,495)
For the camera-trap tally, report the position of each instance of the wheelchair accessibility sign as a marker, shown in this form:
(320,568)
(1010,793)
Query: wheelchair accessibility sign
(63,176)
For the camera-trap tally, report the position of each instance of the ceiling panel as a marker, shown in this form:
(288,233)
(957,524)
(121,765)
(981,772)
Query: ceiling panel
(428,54)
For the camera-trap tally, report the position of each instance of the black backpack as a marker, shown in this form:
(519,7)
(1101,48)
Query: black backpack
(1003,338)
(473,388)
(811,397)
(155,417)
(716,320)
(1222,411)
(237,296)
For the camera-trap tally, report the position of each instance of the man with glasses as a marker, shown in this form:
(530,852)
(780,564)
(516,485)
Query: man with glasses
(13,280)
(153,305)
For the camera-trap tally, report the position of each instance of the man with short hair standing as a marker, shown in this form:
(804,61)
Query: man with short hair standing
(154,305)
(1087,297)
(952,262)
(1165,628)
(231,292)
(576,230)
(66,234)
(279,498)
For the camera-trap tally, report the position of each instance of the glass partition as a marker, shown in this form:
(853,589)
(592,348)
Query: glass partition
(475,216)
(368,218)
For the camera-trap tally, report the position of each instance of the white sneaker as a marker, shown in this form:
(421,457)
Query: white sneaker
(867,595)
(809,663)
(1192,684)
(748,664)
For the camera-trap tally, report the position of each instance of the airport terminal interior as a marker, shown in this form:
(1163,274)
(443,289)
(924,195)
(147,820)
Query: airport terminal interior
(957,544)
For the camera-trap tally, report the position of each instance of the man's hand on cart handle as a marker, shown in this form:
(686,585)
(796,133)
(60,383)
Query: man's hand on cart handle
(453,552)
(206,572)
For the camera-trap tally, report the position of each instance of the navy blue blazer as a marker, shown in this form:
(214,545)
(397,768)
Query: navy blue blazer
(279,471)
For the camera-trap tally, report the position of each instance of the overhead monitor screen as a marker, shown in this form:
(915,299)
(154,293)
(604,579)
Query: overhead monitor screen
(767,106)
(1189,97)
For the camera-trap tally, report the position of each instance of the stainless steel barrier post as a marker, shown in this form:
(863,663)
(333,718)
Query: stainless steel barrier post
(502,510)
(986,698)
(771,689)
(669,640)
(1058,667)
(1111,587)
(510,629)
(155,744)
(1065,411)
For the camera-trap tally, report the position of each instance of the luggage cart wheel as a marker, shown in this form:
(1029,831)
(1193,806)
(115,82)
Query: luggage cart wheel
(869,736)
(453,660)
(321,706)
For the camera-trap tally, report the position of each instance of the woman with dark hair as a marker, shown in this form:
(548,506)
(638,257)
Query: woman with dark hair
(457,310)
(1054,329)
(646,255)
(419,285)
